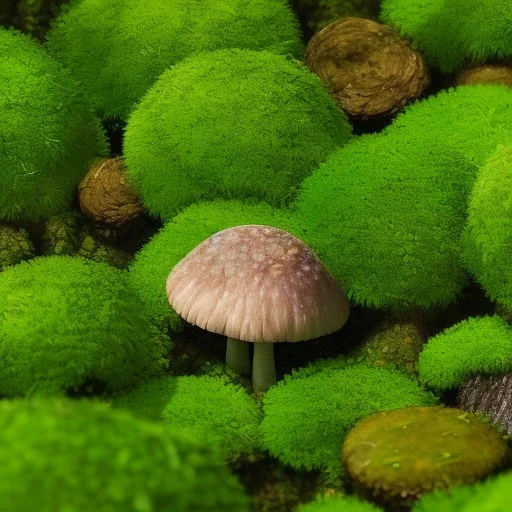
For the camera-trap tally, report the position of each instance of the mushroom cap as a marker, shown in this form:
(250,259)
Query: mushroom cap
(257,283)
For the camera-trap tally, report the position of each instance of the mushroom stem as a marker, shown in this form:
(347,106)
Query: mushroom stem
(237,356)
(263,367)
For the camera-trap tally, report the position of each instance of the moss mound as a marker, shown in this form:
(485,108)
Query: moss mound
(472,119)
(213,409)
(385,215)
(338,504)
(65,322)
(230,124)
(487,239)
(493,495)
(307,417)
(397,456)
(154,262)
(80,455)
(118,48)
(15,246)
(44,155)
(473,346)
(452,33)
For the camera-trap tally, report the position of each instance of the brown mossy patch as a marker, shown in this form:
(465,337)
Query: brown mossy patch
(15,246)
(394,457)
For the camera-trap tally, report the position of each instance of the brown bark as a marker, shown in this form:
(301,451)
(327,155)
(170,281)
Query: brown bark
(497,73)
(370,71)
(491,395)
(106,197)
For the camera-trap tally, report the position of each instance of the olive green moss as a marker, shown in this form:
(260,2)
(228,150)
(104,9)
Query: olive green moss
(211,408)
(338,504)
(493,495)
(306,418)
(472,119)
(394,457)
(385,215)
(230,124)
(451,33)
(59,234)
(83,456)
(49,133)
(480,345)
(34,16)
(66,321)
(487,239)
(154,262)
(118,48)
(15,246)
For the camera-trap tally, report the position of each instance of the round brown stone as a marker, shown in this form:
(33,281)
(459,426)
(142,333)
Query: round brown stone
(486,74)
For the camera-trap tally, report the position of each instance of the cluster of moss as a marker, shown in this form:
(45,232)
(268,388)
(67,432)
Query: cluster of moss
(118,48)
(49,133)
(338,504)
(79,455)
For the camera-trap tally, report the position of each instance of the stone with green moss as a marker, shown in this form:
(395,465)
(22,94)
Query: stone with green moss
(59,234)
(394,457)
(15,246)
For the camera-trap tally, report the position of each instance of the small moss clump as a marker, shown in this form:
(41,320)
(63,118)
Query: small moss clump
(307,417)
(474,346)
(487,238)
(230,124)
(84,456)
(394,457)
(154,262)
(66,321)
(385,215)
(211,408)
(451,33)
(338,504)
(118,48)
(15,246)
(49,133)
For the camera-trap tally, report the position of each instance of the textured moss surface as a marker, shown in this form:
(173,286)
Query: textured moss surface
(338,504)
(15,246)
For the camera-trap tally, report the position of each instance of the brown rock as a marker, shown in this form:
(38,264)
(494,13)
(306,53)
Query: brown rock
(369,69)
(105,195)
(498,73)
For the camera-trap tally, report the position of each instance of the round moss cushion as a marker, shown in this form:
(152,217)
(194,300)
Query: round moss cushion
(396,456)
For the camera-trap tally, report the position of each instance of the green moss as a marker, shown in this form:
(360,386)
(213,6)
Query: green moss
(83,456)
(60,234)
(15,246)
(154,262)
(44,154)
(385,214)
(35,15)
(473,346)
(211,408)
(450,33)
(493,495)
(66,321)
(118,48)
(396,456)
(487,237)
(338,504)
(306,418)
(472,119)
(237,123)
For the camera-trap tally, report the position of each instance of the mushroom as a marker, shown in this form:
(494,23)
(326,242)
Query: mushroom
(257,284)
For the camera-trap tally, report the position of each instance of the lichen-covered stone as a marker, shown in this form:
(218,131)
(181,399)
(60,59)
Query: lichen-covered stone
(394,457)
(15,246)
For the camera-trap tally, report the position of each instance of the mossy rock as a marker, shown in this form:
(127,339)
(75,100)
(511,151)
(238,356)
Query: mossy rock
(394,457)
(15,246)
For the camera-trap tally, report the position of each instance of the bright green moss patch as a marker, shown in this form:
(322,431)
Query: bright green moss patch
(487,237)
(211,408)
(154,262)
(385,215)
(450,33)
(118,48)
(338,504)
(230,124)
(48,134)
(477,345)
(396,456)
(493,495)
(472,119)
(65,322)
(306,418)
(83,456)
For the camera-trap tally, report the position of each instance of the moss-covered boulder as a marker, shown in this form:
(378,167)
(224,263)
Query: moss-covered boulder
(394,457)
(84,456)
